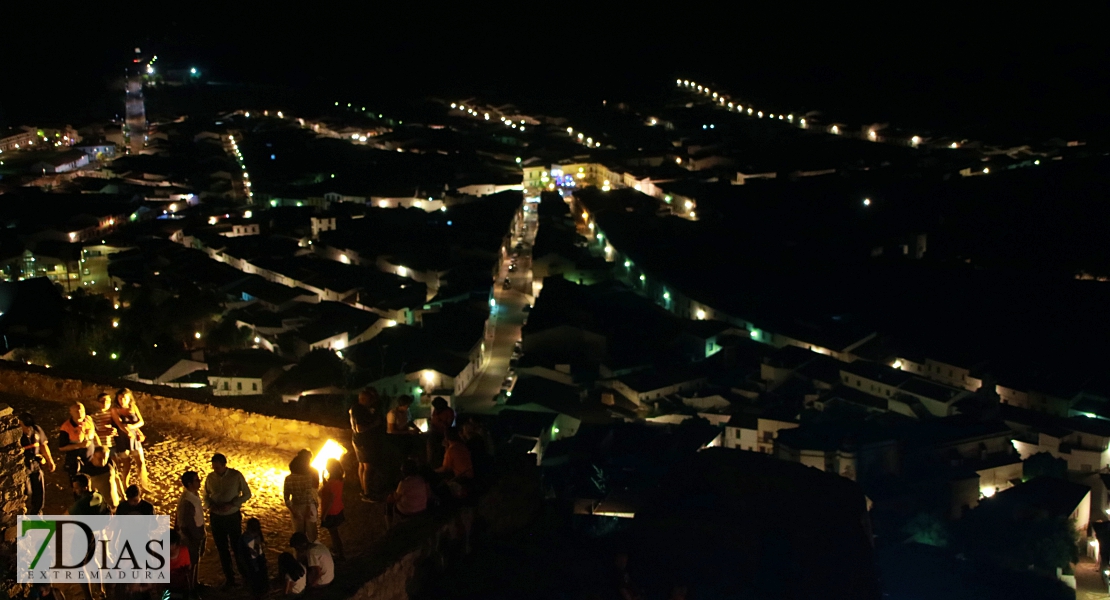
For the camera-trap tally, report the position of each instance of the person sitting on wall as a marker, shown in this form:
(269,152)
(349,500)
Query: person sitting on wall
(399,420)
(412,494)
(458,466)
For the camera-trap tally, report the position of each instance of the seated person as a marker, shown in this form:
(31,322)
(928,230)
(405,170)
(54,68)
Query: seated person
(457,463)
(458,467)
(412,494)
(292,574)
(399,420)
(316,558)
(251,553)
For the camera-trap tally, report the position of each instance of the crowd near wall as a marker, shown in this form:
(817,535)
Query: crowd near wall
(221,422)
(397,568)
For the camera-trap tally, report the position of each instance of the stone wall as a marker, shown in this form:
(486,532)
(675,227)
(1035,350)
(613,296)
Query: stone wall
(219,422)
(409,555)
(13,476)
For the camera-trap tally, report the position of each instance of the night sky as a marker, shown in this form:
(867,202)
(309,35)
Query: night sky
(1023,73)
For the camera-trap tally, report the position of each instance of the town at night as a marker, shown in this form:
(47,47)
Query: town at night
(460,306)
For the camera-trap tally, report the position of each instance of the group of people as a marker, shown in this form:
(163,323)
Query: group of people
(308,564)
(241,545)
(102,452)
(448,460)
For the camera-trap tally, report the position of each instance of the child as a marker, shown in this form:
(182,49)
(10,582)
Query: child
(252,558)
(292,574)
(331,503)
(181,566)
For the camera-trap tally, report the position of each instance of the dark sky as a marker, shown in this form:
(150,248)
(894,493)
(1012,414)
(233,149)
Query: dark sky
(1037,71)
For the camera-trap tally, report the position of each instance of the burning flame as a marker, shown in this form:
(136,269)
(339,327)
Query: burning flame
(332,449)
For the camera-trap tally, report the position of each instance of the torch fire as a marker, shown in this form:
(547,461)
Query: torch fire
(332,449)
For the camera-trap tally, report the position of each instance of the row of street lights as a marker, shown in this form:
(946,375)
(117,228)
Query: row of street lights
(485,115)
(583,138)
(722,101)
(242,166)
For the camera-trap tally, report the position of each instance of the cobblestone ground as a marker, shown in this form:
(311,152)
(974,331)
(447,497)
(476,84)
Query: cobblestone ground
(172,451)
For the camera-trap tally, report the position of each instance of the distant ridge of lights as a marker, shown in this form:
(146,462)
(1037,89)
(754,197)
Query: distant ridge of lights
(722,100)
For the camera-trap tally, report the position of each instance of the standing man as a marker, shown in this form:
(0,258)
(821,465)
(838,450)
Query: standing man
(76,438)
(368,426)
(35,453)
(225,491)
(443,418)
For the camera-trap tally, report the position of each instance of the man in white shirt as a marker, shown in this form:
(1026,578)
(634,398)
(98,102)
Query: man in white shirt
(316,557)
(225,491)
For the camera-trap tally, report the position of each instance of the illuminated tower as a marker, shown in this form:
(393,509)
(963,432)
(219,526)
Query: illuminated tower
(136,112)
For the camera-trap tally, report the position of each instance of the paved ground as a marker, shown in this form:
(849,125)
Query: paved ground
(171,452)
(509,318)
(1088,581)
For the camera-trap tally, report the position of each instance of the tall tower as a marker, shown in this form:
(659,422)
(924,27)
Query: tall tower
(136,111)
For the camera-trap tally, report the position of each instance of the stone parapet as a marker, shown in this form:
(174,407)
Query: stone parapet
(13,478)
(407,556)
(218,422)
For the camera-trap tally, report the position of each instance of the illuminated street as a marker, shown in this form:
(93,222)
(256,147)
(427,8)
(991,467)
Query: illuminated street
(1089,584)
(509,318)
(170,452)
